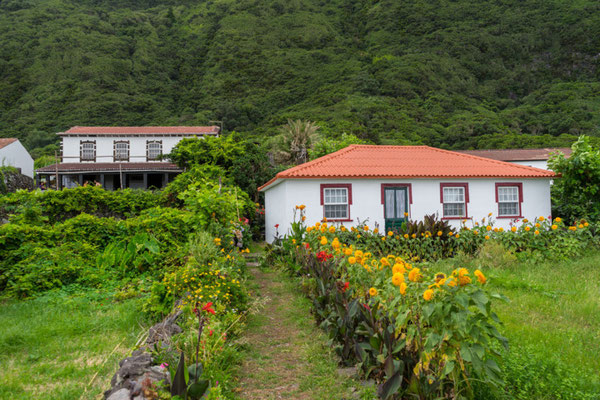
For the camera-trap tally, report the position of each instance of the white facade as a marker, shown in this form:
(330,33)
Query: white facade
(17,156)
(282,198)
(104,147)
(541,164)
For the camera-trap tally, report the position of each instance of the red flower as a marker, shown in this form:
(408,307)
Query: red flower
(210,333)
(323,256)
(307,245)
(367,307)
(346,286)
(276,226)
(208,308)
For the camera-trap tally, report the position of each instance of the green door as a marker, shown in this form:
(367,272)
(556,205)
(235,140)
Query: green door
(396,205)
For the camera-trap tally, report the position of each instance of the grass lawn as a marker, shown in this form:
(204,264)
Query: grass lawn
(552,322)
(51,347)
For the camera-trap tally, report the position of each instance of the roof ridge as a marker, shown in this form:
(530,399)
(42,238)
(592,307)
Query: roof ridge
(318,161)
(525,167)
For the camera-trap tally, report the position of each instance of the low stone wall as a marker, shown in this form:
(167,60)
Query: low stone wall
(15,181)
(137,374)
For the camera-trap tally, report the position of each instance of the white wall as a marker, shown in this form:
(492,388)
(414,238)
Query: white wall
(280,201)
(541,164)
(104,147)
(17,156)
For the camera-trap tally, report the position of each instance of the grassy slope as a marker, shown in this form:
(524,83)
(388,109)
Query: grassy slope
(51,347)
(552,322)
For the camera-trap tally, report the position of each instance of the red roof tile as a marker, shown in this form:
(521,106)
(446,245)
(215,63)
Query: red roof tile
(366,161)
(141,130)
(109,167)
(6,141)
(518,154)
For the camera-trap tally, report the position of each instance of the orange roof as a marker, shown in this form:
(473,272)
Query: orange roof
(141,130)
(518,154)
(6,141)
(366,161)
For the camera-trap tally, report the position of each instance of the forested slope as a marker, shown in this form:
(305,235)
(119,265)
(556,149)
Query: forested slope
(456,74)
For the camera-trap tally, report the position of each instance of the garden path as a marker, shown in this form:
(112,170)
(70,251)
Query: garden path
(288,356)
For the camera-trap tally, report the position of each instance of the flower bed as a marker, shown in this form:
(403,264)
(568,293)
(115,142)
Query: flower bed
(416,331)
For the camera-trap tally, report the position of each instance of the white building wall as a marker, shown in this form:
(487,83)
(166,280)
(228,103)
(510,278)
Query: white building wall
(280,201)
(17,156)
(541,164)
(105,147)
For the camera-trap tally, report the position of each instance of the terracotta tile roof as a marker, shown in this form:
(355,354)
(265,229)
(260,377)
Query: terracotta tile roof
(518,154)
(110,167)
(142,130)
(367,161)
(6,141)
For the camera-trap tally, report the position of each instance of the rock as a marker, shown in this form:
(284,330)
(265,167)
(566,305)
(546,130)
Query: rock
(121,394)
(349,372)
(163,331)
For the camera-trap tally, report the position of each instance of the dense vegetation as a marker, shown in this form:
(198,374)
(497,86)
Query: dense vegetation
(452,74)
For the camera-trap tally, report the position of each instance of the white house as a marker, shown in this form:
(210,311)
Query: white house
(119,157)
(384,185)
(14,154)
(537,158)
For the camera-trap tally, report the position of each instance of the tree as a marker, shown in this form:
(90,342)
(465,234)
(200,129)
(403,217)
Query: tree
(576,194)
(329,145)
(298,137)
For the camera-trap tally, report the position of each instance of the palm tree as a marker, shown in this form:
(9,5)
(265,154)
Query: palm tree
(299,135)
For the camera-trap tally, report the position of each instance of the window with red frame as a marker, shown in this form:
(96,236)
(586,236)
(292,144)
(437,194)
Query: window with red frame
(336,201)
(454,199)
(509,197)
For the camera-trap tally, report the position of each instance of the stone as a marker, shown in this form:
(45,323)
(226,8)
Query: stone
(349,372)
(121,394)
(163,331)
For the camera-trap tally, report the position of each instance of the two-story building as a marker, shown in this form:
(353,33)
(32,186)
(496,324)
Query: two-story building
(119,157)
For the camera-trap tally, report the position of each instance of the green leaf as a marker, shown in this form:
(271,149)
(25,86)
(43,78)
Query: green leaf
(179,386)
(198,389)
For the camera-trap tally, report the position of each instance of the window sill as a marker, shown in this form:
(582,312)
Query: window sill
(339,220)
(510,217)
(455,218)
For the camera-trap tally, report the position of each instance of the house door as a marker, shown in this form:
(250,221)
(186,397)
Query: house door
(396,205)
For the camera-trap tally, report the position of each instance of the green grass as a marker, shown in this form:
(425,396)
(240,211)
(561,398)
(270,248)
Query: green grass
(552,322)
(51,347)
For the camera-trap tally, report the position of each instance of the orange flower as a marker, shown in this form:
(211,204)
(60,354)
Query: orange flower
(428,294)
(480,277)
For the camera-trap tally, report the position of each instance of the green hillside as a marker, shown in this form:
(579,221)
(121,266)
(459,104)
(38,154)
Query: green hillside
(457,74)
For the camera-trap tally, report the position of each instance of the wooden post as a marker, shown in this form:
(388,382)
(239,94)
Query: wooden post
(80,179)
(145,175)
(102,181)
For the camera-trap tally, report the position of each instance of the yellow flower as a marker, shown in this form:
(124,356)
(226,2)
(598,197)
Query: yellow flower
(488,228)
(537,225)
(586,224)
(439,277)
(536,232)
(343,228)
(302,206)
(525,220)
(358,253)
(490,214)
(390,233)
(397,279)
(310,228)
(403,288)
(384,261)
(572,228)
(457,236)
(462,272)
(348,251)
(451,282)
(480,277)
(580,226)
(375,231)
(414,275)
(323,229)
(558,219)
(554,227)
(487,237)
(351,260)
(541,218)
(406,214)
(325,224)
(428,294)
(383,238)
(332,229)
(406,236)
(439,233)
(464,280)
(527,228)
(293,241)
(323,240)
(358,236)
(366,228)
(303,218)
(373,292)
(398,269)
(413,235)
(513,229)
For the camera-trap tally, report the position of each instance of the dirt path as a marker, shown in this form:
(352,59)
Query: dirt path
(288,356)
